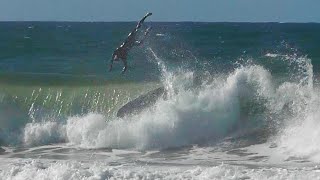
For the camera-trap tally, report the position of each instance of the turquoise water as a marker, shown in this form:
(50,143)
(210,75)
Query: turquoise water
(241,99)
(84,49)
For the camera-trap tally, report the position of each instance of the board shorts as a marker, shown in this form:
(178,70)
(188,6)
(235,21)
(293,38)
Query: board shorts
(121,54)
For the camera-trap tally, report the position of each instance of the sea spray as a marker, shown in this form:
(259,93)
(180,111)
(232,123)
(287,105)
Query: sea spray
(295,105)
(191,116)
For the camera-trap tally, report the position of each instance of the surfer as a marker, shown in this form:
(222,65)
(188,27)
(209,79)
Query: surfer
(121,52)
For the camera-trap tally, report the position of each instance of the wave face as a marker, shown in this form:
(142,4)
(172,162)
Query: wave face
(199,109)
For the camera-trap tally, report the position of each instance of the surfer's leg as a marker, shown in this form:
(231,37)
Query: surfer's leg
(142,20)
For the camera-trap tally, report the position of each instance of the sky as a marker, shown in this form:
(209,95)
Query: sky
(163,10)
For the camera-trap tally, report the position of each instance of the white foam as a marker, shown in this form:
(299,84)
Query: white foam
(43,133)
(301,138)
(187,117)
(159,34)
(208,112)
(272,55)
(73,170)
(86,131)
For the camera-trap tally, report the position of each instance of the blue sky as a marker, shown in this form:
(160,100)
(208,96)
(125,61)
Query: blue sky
(164,10)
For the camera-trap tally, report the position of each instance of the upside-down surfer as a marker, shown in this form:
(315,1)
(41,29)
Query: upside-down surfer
(121,52)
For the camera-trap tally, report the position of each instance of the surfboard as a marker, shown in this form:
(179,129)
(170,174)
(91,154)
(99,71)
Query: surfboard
(137,105)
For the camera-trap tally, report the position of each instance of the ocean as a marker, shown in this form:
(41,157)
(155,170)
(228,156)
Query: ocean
(241,101)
